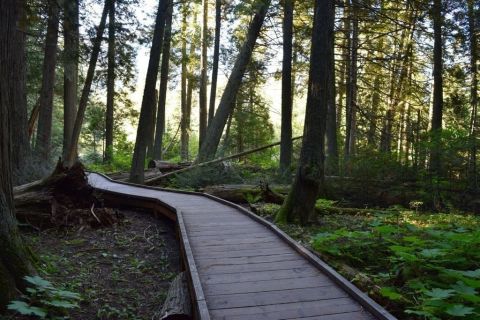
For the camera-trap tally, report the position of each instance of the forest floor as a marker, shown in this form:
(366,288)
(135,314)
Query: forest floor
(419,265)
(120,272)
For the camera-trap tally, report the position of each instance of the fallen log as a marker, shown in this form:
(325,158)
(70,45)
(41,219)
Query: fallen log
(208,163)
(166,166)
(177,305)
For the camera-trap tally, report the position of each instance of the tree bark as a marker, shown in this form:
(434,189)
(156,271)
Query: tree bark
(192,81)
(184,132)
(351,94)
(287,95)
(309,179)
(44,130)
(162,96)
(148,101)
(110,83)
(203,116)
(70,66)
(437,111)
(472,29)
(331,126)
(21,152)
(215,130)
(14,261)
(82,106)
(151,134)
(216,58)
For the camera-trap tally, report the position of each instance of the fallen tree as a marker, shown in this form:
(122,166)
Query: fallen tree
(64,199)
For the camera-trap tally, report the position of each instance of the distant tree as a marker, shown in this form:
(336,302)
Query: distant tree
(209,147)
(300,202)
(216,58)
(164,75)
(44,130)
(148,100)
(70,66)
(110,83)
(14,260)
(203,116)
(82,106)
(287,92)
(473,25)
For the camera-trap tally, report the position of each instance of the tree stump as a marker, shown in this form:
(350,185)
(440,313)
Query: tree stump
(177,305)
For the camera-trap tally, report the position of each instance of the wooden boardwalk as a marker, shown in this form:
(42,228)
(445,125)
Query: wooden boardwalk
(241,266)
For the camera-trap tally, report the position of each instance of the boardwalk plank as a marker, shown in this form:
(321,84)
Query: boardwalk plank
(254,267)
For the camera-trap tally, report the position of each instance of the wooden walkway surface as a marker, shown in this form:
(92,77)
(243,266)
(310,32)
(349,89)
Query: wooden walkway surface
(242,267)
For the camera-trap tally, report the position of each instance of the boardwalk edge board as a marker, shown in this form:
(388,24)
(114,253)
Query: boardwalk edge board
(201,307)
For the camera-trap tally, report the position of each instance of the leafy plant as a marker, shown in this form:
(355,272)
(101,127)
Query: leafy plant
(43,300)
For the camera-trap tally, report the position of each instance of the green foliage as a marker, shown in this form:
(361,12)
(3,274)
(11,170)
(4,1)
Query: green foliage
(43,300)
(426,264)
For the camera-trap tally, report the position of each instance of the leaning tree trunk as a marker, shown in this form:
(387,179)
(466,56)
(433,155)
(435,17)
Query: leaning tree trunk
(216,57)
(21,152)
(14,261)
(70,66)
(300,201)
(110,83)
(148,101)
(44,130)
(203,77)
(287,94)
(82,106)
(162,96)
(215,129)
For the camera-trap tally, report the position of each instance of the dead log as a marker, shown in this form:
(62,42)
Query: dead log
(209,163)
(64,199)
(177,305)
(166,166)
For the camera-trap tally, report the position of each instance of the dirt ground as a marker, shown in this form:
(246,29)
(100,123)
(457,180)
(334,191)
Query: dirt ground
(121,272)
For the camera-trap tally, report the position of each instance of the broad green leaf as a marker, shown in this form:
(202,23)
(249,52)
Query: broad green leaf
(459,310)
(390,293)
(460,287)
(472,274)
(61,304)
(67,294)
(432,253)
(437,293)
(39,282)
(25,309)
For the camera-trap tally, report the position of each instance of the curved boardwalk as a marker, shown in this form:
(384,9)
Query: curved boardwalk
(242,267)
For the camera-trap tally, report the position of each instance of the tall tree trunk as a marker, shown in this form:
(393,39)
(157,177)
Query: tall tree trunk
(148,102)
(351,108)
(82,106)
(70,67)
(110,83)
(331,125)
(437,111)
(203,116)
(215,130)
(472,30)
(342,88)
(162,95)
(151,134)
(14,262)
(216,58)
(372,130)
(44,130)
(300,202)
(184,129)
(21,152)
(286,145)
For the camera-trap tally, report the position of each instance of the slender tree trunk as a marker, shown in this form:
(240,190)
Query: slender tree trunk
(110,83)
(44,130)
(300,202)
(184,130)
(151,134)
(215,130)
(287,101)
(331,126)
(21,152)
(14,262)
(148,102)
(70,77)
(437,112)
(82,106)
(342,88)
(162,95)
(203,116)
(351,108)
(472,26)
(216,58)
(372,130)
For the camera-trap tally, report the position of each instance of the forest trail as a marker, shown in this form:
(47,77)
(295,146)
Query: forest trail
(243,267)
